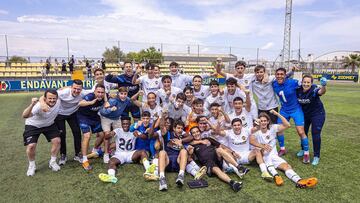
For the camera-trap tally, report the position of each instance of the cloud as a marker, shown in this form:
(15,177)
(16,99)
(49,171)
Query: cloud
(3,12)
(268,45)
(321,14)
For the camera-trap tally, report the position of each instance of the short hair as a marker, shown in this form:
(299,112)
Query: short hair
(99,86)
(259,67)
(151,93)
(98,69)
(214,105)
(188,88)
(213,82)
(238,99)
(149,66)
(146,114)
(125,62)
(173,64)
(308,76)
(194,128)
(240,63)
(231,81)
(123,89)
(281,69)
(125,118)
(236,120)
(198,101)
(199,117)
(166,77)
(178,122)
(51,91)
(181,96)
(78,82)
(197,76)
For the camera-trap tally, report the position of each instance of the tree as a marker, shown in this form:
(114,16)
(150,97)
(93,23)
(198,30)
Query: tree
(353,61)
(17,59)
(149,55)
(113,55)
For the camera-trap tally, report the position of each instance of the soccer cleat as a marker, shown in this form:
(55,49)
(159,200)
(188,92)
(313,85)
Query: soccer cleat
(266,176)
(307,183)
(306,159)
(78,158)
(282,152)
(200,173)
(107,178)
(300,153)
(62,160)
(31,170)
(180,180)
(54,166)
(278,180)
(150,176)
(151,169)
(236,186)
(242,171)
(106,158)
(315,161)
(162,184)
(86,166)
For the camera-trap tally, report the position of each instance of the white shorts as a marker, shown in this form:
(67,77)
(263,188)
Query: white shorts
(274,160)
(244,157)
(106,123)
(125,157)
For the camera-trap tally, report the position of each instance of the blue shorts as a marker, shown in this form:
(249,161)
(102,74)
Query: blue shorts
(173,165)
(133,109)
(297,115)
(90,126)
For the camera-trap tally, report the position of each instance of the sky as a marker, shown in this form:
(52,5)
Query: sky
(240,27)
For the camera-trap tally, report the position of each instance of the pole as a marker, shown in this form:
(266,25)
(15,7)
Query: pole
(68,48)
(229,57)
(7,48)
(198,51)
(118,43)
(257,56)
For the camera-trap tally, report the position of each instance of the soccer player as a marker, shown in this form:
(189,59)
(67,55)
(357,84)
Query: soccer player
(189,93)
(266,140)
(150,105)
(210,155)
(286,88)
(200,91)
(230,92)
(216,95)
(125,80)
(239,142)
(110,116)
(173,157)
(217,115)
(90,121)
(149,83)
(177,110)
(70,98)
(242,112)
(37,122)
(265,93)
(168,92)
(314,112)
(126,153)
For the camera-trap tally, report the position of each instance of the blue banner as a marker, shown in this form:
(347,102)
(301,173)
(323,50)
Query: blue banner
(34,85)
(346,77)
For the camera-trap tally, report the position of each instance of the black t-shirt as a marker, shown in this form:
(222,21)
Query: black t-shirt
(204,152)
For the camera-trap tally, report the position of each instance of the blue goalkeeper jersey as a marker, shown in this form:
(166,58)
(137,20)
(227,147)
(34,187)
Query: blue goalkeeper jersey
(310,101)
(287,94)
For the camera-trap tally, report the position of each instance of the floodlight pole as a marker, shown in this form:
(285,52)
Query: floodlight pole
(68,48)
(285,62)
(7,48)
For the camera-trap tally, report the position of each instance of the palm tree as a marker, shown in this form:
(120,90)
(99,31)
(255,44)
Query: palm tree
(353,61)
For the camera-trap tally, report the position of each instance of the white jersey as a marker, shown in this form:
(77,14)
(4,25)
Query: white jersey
(180,113)
(239,143)
(149,85)
(220,99)
(229,98)
(125,141)
(205,134)
(69,103)
(268,138)
(246,81)
(203,93)
(108,86)
(245,116)
(155,112)
(166,98)
(180,80)
(42,119)
(215,121)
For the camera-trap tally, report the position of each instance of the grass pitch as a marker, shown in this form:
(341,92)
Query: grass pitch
(338,171)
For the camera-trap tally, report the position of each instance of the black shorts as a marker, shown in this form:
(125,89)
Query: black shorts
(273,118)
(173,165)
(32,133)
(210,161)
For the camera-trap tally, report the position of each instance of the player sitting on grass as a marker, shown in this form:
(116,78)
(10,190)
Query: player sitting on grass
(37,122)
(173,157)
(210,155)
(126,153)
(239,142)
(89,121)
(266,138)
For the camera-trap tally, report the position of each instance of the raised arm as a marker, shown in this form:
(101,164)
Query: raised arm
(285,123)
(135,100)
(84,102)
(27,112)
(247,101)
(135,79)
(323,82)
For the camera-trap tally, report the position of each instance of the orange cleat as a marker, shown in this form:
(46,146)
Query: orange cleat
(278,180)
(307,183)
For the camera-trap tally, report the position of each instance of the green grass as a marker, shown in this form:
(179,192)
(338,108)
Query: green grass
(338,171)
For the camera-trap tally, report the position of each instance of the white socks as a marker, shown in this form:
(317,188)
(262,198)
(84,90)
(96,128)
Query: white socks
(32,163)
(262,167)
(272,170)
(111,172)
(146,163)
(52,159)
(292,175)
(156,162)
(84,159)
(192,168)
(181,172)
(162,175)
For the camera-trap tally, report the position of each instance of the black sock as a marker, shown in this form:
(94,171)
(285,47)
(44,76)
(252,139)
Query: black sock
(231,182)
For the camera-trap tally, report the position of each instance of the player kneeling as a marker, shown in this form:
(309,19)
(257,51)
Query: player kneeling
(211,156)
(266,138)
(125,153)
